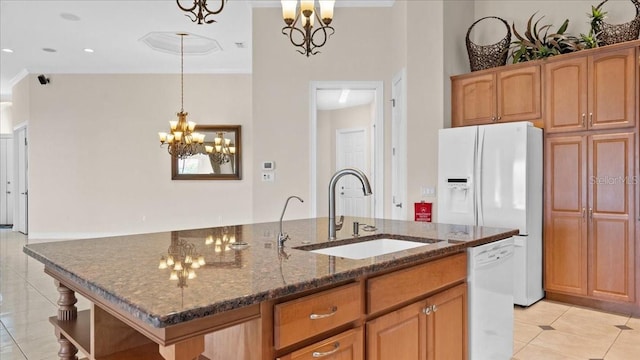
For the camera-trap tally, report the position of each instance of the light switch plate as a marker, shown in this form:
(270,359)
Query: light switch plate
(268,176)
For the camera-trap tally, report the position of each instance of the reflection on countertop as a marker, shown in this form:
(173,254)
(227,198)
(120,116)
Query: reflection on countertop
(124,270)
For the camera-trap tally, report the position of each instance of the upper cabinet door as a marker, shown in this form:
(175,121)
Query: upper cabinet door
(519,94)
(565,95)
(473,100)
(612,89)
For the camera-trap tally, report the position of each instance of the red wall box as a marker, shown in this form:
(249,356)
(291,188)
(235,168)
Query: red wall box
(423,211)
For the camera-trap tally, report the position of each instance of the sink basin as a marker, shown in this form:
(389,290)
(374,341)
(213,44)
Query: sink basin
(366,249)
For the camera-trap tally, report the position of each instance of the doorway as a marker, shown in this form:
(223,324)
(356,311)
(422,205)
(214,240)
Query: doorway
(346,118)
(20,220)
(398,148)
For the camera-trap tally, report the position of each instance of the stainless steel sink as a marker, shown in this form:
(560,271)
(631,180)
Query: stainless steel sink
(369,248)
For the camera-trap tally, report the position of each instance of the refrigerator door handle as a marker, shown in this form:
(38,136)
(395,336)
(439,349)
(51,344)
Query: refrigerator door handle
(480,210)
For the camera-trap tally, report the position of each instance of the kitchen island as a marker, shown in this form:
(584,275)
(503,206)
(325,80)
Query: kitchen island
(234,294)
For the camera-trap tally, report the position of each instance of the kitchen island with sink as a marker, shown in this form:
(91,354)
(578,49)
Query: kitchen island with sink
(232,293)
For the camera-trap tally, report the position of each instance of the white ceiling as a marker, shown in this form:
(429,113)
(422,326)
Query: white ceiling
(113,28)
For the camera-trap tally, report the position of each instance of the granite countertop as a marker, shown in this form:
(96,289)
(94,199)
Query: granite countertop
(124,270)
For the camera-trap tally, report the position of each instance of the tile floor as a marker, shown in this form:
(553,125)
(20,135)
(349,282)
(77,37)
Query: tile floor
(544,331)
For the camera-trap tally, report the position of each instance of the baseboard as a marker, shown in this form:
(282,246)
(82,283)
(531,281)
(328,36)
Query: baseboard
(609,306)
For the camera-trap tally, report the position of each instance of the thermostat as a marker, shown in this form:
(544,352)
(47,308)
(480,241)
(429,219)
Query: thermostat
(268,165)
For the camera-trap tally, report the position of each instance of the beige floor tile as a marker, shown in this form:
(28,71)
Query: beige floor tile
(11,352)
(572,345)
(593,327)
(594,316)
(626,347)
(517,346)
(541,313)
(634,323)
(5,338)
(524,332)
(33,330)
(14,319)
(45,347)
(533,352)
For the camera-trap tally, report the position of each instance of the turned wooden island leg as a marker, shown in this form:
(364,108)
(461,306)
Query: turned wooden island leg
(67,311)
(185,350)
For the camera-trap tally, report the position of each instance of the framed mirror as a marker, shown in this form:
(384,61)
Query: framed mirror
(222,161)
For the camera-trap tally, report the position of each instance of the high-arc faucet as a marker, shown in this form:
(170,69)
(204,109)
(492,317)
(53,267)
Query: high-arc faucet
(366,188)
(282,237)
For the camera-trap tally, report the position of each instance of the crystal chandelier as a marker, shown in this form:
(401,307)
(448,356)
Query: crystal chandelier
(222,149)
(182,259)
(183,141)
(199,11)
(300,25)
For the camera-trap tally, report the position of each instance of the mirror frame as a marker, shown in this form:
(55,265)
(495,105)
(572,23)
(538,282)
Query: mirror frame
(237,175)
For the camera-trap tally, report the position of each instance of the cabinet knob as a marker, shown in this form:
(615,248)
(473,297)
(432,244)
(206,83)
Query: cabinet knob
(591,213)
(493,119)
(499,118)
(434,308)
(590,119)
(427,310)
(584,117)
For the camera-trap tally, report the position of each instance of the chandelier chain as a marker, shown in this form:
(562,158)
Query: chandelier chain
(182,72)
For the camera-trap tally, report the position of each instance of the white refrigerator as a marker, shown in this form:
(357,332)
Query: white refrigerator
(491,175)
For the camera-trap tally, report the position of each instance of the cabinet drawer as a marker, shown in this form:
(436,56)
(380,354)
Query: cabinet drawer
(302,318)
(348,345)
(395,288)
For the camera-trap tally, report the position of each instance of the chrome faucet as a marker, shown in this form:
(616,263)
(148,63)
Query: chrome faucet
(366,188)
(282,237)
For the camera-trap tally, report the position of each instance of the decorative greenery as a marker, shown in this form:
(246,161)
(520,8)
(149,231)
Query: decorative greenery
(591,40)
(537,43)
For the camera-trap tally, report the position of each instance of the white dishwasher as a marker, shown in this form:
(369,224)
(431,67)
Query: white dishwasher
(490,286)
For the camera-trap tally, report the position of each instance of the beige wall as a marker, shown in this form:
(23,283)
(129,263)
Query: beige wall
(359,51)
(95,163)
(6,119)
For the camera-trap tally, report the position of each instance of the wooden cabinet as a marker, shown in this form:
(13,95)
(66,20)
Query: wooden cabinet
(501,95)
(435,328)
(590,221)
(346,346)
(311,315)
(591,92)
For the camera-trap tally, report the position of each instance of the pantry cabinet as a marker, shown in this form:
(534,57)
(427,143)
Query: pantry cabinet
(589,215)
(594,92)
(499,95)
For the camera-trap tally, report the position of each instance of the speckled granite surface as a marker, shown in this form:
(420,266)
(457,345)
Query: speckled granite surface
(124,269)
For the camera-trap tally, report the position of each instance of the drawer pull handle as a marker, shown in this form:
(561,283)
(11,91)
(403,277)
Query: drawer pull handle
(332,312)
(317,354)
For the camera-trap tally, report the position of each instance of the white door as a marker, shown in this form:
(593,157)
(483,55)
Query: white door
(6,181)
(20,220)
(351,152)
(398,150)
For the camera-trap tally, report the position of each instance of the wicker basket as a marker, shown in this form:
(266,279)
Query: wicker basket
(488,56)
(616,33)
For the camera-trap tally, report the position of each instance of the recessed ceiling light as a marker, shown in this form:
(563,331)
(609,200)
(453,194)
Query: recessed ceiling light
(70,17)
(88,50)
(49,50)
(7,50)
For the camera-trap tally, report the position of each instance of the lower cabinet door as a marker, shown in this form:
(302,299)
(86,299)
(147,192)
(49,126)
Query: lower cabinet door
(398,335)
(348,345)
(447,324)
